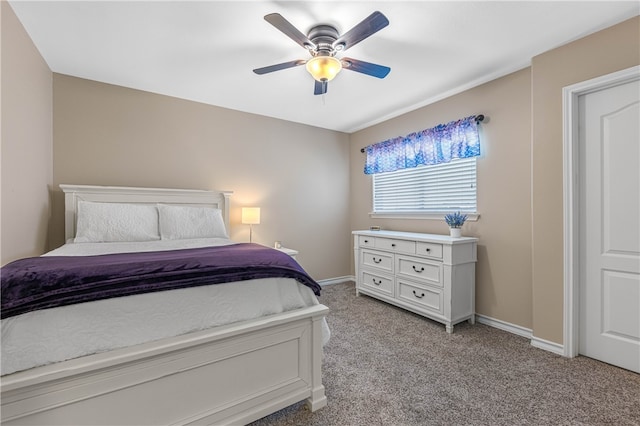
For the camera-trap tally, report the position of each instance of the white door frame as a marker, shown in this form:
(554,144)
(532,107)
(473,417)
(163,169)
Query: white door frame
(571,176)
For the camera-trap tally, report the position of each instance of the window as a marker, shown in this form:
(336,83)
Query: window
(431,189)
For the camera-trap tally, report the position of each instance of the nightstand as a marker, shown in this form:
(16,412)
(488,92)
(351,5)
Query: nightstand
(291,252)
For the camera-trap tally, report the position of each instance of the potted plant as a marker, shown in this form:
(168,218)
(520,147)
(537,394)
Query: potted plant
(455,222)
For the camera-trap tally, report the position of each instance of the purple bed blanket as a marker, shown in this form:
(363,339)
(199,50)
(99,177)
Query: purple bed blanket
(46,282)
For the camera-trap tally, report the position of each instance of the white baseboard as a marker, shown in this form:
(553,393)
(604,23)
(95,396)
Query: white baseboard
(539,343)
(503,325)
(536,342)
(337,280)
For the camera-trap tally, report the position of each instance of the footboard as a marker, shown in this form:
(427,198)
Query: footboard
(231,374)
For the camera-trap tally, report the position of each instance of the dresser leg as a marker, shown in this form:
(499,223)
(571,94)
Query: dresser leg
(472,320)
(449,328)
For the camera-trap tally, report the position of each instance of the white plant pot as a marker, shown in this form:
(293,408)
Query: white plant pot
(455,232)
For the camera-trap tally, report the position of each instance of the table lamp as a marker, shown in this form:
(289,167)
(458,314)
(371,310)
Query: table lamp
(251,216)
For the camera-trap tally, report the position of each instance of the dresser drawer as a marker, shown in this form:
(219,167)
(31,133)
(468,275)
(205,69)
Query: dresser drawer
(429,249)
(399,246)
(364,241)
(377,260)
(425,297)
(420,269)
(378,283)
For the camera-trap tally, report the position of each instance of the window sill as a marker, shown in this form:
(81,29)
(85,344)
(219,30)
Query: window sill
(472,217)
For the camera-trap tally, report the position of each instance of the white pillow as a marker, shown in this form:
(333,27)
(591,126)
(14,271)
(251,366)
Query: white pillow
(107,222)
(184,222)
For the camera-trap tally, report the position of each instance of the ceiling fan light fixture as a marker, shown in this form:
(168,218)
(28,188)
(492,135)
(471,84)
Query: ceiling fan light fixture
(323,68)
(323,41)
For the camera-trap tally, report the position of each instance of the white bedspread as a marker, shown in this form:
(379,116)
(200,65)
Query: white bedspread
(52,335)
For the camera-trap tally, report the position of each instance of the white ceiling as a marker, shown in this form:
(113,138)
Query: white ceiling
(205,51)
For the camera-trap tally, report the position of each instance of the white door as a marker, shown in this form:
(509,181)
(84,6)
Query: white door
(609,217)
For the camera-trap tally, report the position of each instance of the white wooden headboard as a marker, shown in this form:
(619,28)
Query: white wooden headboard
(123,194)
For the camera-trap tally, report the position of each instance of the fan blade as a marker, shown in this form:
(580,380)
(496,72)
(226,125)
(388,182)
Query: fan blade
(370,25)
(320,87)
(289,30)
(278,67)
(368,68)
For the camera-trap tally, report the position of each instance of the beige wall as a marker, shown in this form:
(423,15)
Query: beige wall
(520,254)
(298,175)
(503,273)
(26,142)
(607,51)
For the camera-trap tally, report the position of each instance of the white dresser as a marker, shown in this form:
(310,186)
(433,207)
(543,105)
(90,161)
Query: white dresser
(431,275)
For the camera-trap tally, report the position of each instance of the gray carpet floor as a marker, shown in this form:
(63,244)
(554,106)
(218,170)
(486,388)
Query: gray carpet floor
(386,366)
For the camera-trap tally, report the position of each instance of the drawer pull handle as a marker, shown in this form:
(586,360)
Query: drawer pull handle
(366,241)
(376,282)
(428,250)
(418,296)
(418,270)
(393,245)
(377,260)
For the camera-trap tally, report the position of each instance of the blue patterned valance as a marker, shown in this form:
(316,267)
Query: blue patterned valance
(440,144)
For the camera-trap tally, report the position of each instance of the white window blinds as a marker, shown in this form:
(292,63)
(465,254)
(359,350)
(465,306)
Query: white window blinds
(439,188)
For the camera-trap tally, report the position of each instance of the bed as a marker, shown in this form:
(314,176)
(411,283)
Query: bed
(225,353)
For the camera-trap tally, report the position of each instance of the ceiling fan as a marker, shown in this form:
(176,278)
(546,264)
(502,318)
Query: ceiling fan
(323,42)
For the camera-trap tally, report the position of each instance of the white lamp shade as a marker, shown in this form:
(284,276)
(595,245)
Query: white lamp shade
(251,215)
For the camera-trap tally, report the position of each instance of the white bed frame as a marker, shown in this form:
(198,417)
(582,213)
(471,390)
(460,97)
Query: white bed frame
(233,374)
